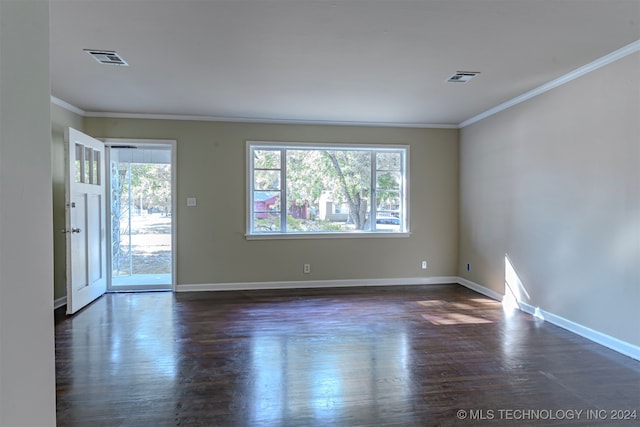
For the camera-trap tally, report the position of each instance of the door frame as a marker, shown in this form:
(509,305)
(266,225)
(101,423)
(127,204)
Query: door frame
(149,143)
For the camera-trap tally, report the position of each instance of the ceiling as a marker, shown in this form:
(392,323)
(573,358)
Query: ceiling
(335,61)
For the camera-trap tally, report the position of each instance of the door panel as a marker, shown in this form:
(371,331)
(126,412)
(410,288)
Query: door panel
(94,237)
(85,220)
(78,254)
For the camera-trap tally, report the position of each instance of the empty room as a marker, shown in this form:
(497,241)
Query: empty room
(309,213)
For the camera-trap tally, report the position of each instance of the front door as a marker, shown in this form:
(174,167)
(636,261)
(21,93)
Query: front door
(85,220)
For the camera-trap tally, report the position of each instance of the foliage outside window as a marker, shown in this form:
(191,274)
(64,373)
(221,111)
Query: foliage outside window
(303,189)
(137,189)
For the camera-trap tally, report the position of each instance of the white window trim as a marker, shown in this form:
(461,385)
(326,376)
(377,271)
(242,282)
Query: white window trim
(324,235)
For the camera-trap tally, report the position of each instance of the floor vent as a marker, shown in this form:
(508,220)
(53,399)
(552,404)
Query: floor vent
(107,57)
(462,76)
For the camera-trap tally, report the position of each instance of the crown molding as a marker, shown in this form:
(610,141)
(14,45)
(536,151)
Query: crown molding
(265,120)
(64,104)
(111,115)
(578,72)
(59,102)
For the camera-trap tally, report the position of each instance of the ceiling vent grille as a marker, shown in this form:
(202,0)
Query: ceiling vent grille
(462,76)
(107,57)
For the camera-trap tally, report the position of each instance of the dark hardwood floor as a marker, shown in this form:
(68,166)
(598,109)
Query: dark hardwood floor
(380,356)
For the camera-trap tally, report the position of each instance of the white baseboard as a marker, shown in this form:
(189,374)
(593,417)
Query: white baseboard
(615,344)
(480,289)
(59,302)
(306,284)
(595,336)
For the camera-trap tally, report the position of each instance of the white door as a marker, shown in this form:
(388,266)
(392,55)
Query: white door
(85,220)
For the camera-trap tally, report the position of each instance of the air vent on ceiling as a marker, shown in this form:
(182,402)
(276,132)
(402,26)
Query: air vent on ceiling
(462,76)
(107,57)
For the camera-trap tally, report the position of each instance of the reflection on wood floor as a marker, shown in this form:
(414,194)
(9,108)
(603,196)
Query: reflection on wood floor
(379,356)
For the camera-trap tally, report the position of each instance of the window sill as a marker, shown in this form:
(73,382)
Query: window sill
(352,235)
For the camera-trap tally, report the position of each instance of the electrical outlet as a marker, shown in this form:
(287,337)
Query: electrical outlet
(306,269)
(424,265)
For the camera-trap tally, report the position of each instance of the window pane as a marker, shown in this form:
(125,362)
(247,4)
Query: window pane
(388,161)
(95,168)
(266,180)
(88,155)
(350,186)
(388,211)
(266,222)
(79,163)
(318,181)
(266,201)
(388,180)
(266,159)
(306,174)
(388,201)
(266,211)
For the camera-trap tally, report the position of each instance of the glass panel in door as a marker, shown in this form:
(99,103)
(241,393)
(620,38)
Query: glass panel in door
(141,220)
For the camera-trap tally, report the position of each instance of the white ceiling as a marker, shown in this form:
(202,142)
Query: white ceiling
(361,61)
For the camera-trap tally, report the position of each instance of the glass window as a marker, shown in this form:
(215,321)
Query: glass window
(88,162)
(79,163)
(308,189)
(95,168)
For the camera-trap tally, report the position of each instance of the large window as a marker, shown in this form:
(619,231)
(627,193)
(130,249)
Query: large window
(328,190)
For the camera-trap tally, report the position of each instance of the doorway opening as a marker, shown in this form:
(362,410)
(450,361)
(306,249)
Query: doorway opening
(141,215)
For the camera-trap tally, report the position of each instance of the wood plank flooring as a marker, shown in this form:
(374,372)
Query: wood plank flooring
(379,356)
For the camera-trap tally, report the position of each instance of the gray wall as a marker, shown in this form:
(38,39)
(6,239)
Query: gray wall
(212,248)
(60,120)
(27,382)
(554,184)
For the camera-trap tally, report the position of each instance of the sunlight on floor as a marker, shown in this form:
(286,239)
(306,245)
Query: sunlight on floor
(447,313)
